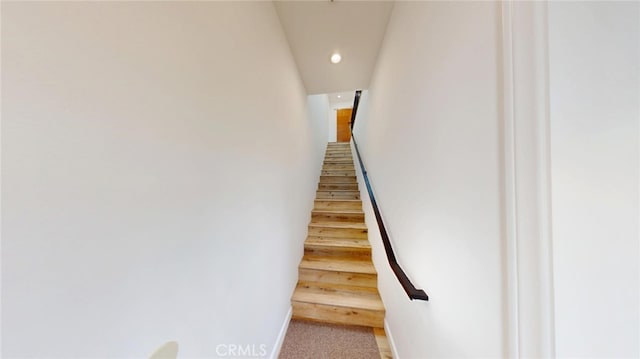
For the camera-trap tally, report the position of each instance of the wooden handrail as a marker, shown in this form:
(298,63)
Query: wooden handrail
(409,288)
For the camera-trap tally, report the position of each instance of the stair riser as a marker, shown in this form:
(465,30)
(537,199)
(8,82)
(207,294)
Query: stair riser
(337,195)
(337,157)
(338,217)
(344,168)
(320,204)
(341,152)
(338,315)
(337,154)
(338,179)
(338,166)
(338,160)
(338,252)
(338,186)
(338,173)
(338,232)
(332,277)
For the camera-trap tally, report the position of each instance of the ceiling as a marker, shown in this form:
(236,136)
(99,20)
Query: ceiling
(340,98)
(317,29)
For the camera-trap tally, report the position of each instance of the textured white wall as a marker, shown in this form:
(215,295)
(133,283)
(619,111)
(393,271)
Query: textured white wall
(429,134)
(594,110)
(318,113)
(430,131)
(157,179)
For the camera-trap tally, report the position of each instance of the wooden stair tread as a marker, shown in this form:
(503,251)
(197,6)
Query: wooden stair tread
(348,289)
(337,281)
(337,215)
(331,187)
(350,225)
(338,296)
(337,211)
(318,275)
(337,179)
(337,194)
(337,201)
(340,183)
(336,264)
(338,190)
(337,242)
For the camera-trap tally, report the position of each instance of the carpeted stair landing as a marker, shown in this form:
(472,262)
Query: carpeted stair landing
(311,340)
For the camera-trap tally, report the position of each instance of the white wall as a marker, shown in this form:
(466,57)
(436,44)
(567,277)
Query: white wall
(434,134)
(428,130)
(157,179)
(594,111)
(318,113)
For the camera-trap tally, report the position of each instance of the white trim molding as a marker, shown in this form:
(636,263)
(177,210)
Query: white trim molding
(277,346)
(528,262)
(392,343)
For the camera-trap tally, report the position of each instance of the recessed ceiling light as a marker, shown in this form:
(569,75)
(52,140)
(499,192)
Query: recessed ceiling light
(336,58)
(339,96)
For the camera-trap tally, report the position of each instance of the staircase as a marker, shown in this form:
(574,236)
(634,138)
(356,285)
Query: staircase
(337,282)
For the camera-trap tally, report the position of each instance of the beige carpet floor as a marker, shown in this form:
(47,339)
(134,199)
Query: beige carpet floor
(309,340)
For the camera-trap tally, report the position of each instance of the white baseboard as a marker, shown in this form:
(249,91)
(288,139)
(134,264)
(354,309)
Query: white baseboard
(392,343)
(280,339)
